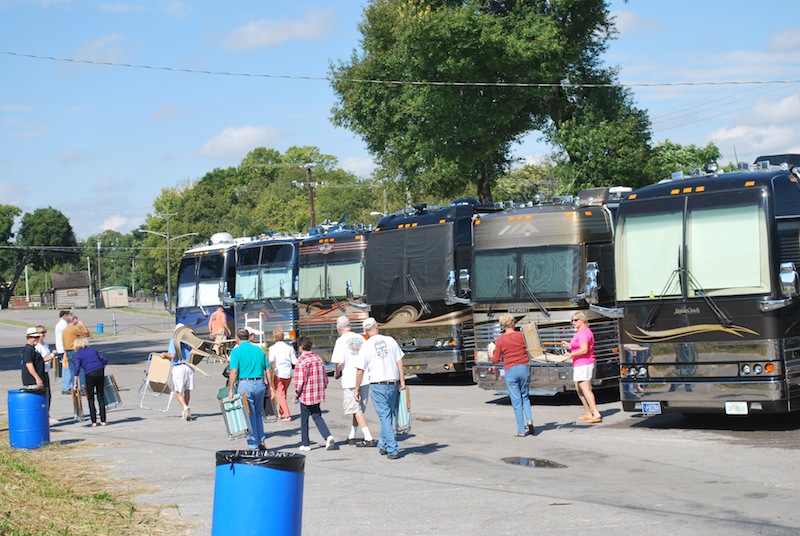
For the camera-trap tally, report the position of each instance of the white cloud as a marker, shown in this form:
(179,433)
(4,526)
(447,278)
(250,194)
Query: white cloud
(164,113)
(628,22)
(360,166)
(787,40)
(105,49)
(15,108)
(70,156)
(113,223)
(265,33)
(235,142)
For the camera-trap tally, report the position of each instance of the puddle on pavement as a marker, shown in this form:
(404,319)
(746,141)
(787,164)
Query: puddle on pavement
(534,462)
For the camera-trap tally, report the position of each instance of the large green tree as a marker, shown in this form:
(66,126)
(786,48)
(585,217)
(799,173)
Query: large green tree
(669,157)
(45,239)
(442,89)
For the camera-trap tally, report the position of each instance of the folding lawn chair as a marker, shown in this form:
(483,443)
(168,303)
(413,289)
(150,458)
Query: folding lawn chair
(156,381)
(198,346)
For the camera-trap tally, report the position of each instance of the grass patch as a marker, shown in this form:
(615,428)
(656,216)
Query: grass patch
(53,491)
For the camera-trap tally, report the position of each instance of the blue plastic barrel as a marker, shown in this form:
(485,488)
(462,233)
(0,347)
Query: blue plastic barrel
(28,421)
(258,492)
(99,328)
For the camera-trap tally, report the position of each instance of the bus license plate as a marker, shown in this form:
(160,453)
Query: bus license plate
(651,408)
(736,408)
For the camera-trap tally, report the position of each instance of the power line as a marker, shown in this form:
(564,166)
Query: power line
(401,82)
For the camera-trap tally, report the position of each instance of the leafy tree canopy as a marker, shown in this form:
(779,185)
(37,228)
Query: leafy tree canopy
(448,110)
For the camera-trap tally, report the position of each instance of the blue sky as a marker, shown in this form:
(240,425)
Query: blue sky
(100,142)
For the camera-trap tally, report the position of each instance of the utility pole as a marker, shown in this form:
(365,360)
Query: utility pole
(99,271)
(169,238)
(310,185)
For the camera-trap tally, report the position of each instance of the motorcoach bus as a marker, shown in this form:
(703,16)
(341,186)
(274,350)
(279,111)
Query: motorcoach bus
(418,285)
(267,285)
(542,263)
(332,273)
(206,280)
(706,276)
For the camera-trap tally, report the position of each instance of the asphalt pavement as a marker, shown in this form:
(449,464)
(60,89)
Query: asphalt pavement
(461,471)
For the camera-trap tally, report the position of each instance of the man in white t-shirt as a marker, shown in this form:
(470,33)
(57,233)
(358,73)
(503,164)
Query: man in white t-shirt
(381,360)
(63,322)
(282,358)
(345,353)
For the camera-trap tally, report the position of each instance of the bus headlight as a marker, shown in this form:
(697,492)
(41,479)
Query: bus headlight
(746,369)
(758,369)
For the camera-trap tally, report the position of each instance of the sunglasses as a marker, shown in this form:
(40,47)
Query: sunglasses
(576,320)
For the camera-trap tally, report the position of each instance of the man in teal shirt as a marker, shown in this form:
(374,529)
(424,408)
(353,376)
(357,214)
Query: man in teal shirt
(249,365)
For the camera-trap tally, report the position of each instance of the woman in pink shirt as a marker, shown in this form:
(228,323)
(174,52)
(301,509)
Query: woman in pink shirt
(582,353)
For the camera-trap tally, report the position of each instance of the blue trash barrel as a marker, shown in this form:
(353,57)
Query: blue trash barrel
(28,421)
(99,328)
(258,492)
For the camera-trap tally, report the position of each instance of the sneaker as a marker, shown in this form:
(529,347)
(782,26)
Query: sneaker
(370,443)
(394,456)
(188,415)
(352,441)
(183,414)
(305,447)
(383,452)
(330,444)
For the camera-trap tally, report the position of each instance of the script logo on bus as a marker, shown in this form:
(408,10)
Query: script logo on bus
(687,311)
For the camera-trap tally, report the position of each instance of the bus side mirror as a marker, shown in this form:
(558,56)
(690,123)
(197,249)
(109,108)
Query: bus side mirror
(282,286)
(789,280)
(592,285)
(348,285)
(463,280)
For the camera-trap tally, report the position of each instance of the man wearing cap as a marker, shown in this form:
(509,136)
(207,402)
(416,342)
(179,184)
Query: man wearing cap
(250,366)
(33,374)
(345,352)
(182,373)
(381,359)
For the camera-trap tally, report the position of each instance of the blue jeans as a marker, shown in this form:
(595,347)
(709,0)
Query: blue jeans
(518,383)
(254,391)
(316,413)
(384,399)
(67,377)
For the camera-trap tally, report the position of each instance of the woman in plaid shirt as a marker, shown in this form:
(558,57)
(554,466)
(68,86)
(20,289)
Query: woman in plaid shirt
(310,381)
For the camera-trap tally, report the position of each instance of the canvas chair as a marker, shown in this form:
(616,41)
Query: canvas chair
(536,350)
(198,346)
(157,381)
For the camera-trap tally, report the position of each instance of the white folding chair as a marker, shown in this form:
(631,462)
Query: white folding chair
(156,382)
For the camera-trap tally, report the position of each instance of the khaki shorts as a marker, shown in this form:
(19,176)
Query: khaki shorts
(583,373)
(351,407)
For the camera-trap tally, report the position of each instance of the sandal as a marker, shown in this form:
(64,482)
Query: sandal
(595,420)
(521,435)
(94,425)
(585,417)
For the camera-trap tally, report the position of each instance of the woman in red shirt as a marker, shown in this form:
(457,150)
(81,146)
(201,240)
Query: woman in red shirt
(510,349)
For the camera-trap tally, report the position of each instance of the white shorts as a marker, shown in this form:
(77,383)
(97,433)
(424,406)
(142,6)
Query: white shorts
(351,407)
(182,378)
(583,373)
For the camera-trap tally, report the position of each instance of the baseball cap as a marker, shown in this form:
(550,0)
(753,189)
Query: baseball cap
(370,323)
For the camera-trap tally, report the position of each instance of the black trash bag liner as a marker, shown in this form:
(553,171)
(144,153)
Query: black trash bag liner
(273,459)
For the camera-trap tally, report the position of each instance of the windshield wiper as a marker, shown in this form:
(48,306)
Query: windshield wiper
(722,316)
(651,318)
(507,281)
(331,296)
(541,307)
(425,308)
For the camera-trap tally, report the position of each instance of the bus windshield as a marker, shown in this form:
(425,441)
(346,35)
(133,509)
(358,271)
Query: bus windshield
(719,239)
(329,280)
(263,271)
(551,272)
